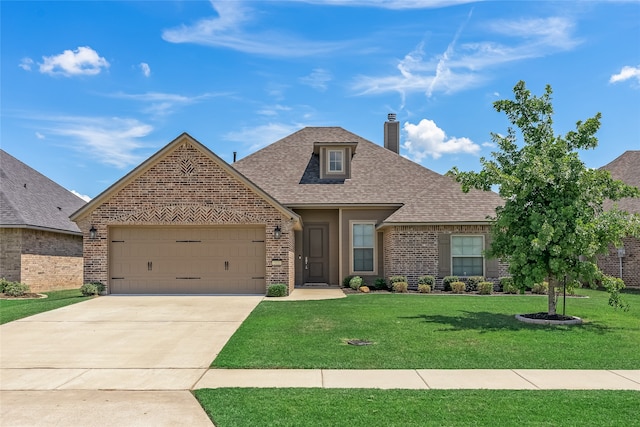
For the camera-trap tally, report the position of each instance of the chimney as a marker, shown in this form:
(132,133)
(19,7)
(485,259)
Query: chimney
(235,154)
(392,133)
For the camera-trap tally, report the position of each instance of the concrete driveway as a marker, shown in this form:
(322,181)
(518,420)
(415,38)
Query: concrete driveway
(116,360)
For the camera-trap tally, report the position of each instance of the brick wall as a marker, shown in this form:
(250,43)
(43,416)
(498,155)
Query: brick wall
(10,250)
(185,187)
(610,264)
(50,273)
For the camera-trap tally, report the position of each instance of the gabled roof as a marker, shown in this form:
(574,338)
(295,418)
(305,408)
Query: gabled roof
(378,177)
(142,168)
(627,169)
(29,199)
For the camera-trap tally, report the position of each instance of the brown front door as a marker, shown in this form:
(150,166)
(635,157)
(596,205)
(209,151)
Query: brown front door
(316,253)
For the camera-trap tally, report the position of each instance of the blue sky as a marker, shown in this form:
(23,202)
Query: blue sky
(91,89)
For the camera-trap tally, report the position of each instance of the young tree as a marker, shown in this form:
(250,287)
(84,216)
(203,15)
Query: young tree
(552,223)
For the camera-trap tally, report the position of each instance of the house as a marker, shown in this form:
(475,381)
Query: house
(624,262)
(311,208)
(39,245)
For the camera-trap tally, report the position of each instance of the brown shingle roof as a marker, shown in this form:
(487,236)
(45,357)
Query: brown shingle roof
(626,168)
(378,176)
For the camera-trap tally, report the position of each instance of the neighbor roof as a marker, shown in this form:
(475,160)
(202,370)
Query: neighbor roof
(627,169)
(31,200)
(378,177)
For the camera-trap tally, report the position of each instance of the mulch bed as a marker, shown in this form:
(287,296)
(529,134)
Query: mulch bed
(29,295)
(546,316)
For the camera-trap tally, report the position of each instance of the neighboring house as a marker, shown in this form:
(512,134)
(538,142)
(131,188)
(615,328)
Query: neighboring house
(39,244)
(624,262)
(314,207)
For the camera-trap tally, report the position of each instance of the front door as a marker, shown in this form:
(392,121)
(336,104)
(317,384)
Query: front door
(316,253)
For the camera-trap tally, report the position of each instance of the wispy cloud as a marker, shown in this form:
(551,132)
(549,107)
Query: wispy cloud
(273,110)
(112,141)
(39,135)
(261,136)
(231,29)
(146,70)
(466,65)
(627,73)
(26,64)
(318,79)
(83,61)
(82,196)
(391,4)
(427,139)
(164,103)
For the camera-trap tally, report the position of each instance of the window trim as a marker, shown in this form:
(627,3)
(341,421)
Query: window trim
(352,271)
(484,260)
(342,161)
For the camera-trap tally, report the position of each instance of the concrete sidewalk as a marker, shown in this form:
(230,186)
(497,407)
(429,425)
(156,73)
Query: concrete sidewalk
(422,379)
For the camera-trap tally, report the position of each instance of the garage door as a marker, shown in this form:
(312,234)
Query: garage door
(172,260)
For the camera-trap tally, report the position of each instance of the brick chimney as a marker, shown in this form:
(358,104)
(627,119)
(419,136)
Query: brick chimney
(392,133)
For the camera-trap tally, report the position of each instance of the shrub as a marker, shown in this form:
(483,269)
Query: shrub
(3,284)
(15,289)
(485,288)
(355,282)
(400,287)
(380,283)
(396,279)
(99,286)
(540,288)
(277,290)
(426,280)
(423,288)
(89,289)
(472,283)
(508,286)
(448,280)
(345,281)
(458,287)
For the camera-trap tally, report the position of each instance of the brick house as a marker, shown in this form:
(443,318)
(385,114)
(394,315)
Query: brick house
(311,208)
(624,262)
(39,245)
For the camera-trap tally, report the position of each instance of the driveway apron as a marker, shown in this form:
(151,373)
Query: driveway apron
(127,353)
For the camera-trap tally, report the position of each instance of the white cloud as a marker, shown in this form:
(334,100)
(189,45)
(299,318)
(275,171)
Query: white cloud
(391,4)
(318,79)
(273,110)
(626,73)
(229,30)
(146,70)
(82,196)
(26,63)
(82,61)
(261,136)
(39,135)
(427,139)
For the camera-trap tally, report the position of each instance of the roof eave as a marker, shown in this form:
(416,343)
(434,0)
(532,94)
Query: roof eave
(40,228)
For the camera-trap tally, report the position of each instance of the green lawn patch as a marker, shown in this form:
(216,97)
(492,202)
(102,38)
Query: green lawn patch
(14,309)
(435,331)
(229,407)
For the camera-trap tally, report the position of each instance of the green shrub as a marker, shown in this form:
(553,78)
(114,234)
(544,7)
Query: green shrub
(485,288)
(15,289)
(508,286)
(380,283)
(99,286)
(472,283)
(540,288)
(423,288)
(355,282)
(3,284)
(89,289)
(448,280)
(401,287)
(345,281)
(458,287)
(396,279)
(427,280)
(277,290)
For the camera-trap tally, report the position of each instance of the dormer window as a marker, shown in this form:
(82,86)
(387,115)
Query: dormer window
(336,161)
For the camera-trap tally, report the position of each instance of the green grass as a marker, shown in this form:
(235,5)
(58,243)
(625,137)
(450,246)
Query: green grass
(432,331)
(347,407)
(18,308)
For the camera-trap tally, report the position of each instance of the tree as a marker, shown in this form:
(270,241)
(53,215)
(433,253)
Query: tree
(552,224)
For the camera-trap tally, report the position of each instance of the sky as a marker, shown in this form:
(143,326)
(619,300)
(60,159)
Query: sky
(90,89)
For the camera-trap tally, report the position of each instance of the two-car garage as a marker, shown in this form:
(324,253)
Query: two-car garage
(187,260)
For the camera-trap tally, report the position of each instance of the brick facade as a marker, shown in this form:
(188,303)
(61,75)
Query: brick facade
(610,264)
(44,260)
(186,187)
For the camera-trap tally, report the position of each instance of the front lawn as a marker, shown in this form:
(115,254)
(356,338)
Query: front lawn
(348,407)
(14,309)
(435,331)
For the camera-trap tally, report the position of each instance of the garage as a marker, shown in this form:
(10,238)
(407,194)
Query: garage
(187,260)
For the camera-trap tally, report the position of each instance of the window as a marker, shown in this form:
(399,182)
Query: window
(336,162)
(363,247)
(466,255)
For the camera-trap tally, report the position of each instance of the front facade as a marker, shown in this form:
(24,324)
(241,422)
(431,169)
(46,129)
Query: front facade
(312,208)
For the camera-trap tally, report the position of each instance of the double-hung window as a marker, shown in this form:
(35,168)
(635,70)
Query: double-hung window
(336,161)
(363,247)
(466,255)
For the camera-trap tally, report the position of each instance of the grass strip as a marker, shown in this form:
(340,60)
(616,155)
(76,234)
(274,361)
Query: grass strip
(13,309)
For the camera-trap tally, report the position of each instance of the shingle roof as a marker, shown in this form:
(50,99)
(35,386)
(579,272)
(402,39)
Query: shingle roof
(30,199)
(378,177)
(626,168)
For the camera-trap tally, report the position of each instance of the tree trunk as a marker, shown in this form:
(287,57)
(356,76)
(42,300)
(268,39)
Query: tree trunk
(552,297)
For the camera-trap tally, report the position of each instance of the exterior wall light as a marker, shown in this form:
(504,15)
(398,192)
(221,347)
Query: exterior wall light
(93,233)
(277,232)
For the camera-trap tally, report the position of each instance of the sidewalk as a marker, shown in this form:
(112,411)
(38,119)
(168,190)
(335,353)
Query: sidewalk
(422,379)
